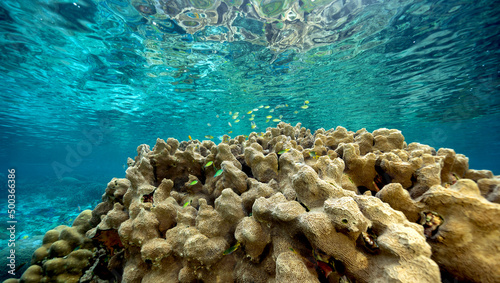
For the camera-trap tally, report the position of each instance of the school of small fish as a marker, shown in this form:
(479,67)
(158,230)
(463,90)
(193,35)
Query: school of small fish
(252,117)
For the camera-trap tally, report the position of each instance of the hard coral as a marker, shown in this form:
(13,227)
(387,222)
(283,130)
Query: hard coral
(285,206)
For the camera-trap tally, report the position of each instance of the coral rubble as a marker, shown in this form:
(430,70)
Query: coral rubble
(284,206)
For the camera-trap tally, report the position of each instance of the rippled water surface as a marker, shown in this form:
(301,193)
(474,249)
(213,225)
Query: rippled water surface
(122,73)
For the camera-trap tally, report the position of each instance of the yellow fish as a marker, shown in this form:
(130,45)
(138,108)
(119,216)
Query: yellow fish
(276,120)
(283,151)
(232,249)
(190,138)
(209,137)
(269,117)
(313,154)
(249,112)
(266,107)
(250,119)
(236,121)
(304,107)
(306,102)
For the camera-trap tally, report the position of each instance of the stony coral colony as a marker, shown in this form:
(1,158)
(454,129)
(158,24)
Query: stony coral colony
(287,205)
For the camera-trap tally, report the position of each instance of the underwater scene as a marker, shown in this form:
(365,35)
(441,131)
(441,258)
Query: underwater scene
(249,141)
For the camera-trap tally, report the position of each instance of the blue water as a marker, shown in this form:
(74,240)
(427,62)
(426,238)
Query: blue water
(83,83)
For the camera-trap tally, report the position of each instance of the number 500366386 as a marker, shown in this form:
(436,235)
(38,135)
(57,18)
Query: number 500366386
(11,183)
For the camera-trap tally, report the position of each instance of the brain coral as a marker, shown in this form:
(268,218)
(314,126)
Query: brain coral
(286,205)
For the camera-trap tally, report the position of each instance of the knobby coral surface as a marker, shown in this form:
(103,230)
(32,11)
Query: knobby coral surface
(284,206)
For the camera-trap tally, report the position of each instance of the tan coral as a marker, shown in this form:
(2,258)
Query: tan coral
(289,205)
(264,168)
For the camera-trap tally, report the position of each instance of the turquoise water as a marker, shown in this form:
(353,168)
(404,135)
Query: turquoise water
(83,83)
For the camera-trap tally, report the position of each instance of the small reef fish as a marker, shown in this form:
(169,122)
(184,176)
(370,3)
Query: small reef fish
(209,137)
(350,179)
(209,163)
(186,204)
(193,182)
(283,151)
(261,106)
(276,120)
(218,173)
(232,249)
(295,112)
(256,109)
(249,112)
(236,121)
(267,121)
(229,123)
(313,154)
(306,102)
(208,124)
(253,125)
(269,117)
(271,111)
(230,132)
(325,267)
(190,138)
(304,107)
(23,236)
(250,119)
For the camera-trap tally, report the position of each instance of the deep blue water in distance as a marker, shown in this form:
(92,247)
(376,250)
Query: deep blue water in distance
(83,83)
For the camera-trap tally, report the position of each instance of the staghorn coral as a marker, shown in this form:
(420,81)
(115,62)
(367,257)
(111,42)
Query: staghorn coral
(285,206)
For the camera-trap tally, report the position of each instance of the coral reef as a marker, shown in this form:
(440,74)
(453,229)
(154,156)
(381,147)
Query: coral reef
(284,206)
